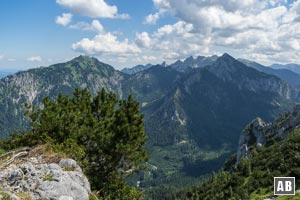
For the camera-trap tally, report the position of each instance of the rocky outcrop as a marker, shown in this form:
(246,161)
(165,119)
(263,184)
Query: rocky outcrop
(40,174)
(257,132)
(253,135)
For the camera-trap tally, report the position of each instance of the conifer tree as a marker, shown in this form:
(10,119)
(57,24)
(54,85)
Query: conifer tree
(104,134)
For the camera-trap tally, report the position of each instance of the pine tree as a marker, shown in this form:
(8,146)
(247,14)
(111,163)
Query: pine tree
(104,134)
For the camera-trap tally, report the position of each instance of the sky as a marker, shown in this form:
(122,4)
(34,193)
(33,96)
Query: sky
(125,33)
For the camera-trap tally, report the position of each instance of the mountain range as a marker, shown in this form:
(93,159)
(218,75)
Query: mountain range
(6,73)
(136,69)
(292,67)
(286,74)
(194,109)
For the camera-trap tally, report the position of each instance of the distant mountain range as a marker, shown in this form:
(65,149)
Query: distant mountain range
(6,73)
(191,63)
(292,67)
(289,72)
(194,109)
(290,76)
(136,69)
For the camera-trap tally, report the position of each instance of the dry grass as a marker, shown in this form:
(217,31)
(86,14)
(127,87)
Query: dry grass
(46,153)
(24,196)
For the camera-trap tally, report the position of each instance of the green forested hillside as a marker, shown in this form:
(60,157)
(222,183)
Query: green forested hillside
(193,119)
(196,126)
(252,176)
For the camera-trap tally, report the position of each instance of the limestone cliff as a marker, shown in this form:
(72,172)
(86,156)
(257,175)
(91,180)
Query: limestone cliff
(259,133)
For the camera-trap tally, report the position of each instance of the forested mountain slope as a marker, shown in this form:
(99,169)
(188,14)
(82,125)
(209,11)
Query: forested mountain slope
(193,117)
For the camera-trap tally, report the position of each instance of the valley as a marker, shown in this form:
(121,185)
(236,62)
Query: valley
(194,109)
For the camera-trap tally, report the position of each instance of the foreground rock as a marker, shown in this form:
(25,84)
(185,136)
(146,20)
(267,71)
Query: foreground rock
(40,174)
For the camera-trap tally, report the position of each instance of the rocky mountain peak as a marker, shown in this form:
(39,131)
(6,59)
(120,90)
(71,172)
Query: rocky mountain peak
(227,59)
(163,64)
(189,59)
(178,62)
(200,58)
(191,63)
(251,136)
(258,131)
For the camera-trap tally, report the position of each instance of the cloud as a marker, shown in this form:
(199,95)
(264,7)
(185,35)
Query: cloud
(143,40)
(152,18)
(64,19)
(94,26)
(11,59)
(163,6)
(250,27)
(180,28)
(266,31)
(97,26)
(172,41)
(1,57)
(35,59)
(92,8)
(106,43)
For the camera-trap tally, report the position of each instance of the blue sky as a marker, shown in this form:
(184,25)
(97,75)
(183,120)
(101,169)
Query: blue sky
(125,33)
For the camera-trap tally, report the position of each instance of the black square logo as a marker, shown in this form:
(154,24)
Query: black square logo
(284,185)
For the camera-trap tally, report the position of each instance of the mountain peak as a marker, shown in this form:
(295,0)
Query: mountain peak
(178,62)
(191,58)
(163,64)
(83,62)
(228,60)
(226,55)
(83,58)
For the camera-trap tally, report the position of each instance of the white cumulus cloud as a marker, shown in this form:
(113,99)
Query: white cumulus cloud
(92,8)
(106,43)
(64,19)
(265,31)
(143,39)
(94,26)
(152,18)
(253,28)
(35,59)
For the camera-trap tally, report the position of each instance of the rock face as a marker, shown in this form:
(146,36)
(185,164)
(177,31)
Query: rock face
(257,132)
(252,135)
(38,176)
(191,63)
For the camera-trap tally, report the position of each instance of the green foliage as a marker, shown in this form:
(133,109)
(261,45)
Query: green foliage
(105,135)
(201,99)
(48,177)
(2,151)
(252,178)
(4,195)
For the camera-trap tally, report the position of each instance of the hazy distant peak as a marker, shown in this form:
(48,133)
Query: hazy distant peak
(163,64)
(136,69)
